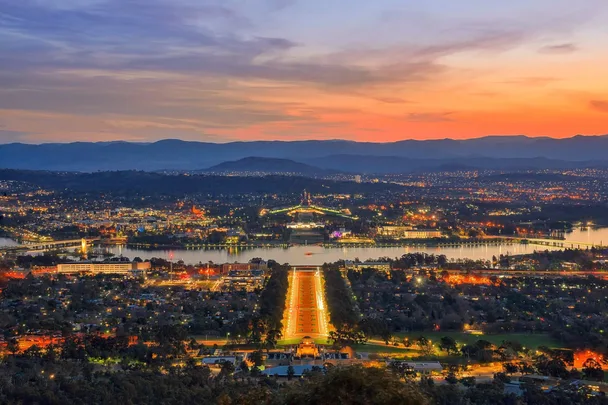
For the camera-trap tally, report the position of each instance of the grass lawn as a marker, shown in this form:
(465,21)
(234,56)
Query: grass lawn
(374,348)
(531,341)
(295,341)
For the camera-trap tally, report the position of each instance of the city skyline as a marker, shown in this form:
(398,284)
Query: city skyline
(106,70)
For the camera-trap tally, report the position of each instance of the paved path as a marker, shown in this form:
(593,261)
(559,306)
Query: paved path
(306,313)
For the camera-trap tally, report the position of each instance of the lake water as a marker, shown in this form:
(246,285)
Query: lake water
(318,255)
(7,242)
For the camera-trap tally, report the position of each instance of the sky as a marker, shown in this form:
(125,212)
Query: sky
(363,70)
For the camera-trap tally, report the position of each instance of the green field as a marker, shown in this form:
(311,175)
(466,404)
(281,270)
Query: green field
(295,341)
(530,341)
(375,348)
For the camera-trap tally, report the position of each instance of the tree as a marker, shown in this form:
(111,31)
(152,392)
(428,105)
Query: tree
(448,344)
(255,372)
(257,358)
(592,370)
(226,370)
(468,381)
(347,337)
(502,377)
(402,369)
(451,377)
(290,372)
(385,334)
(510,368)
(272,337)
(354,385)
(422,341)
(525,368)
(12,346)
(244,367)
(33,352)
(426,346)
(551,367)
(341,307)
(193,344)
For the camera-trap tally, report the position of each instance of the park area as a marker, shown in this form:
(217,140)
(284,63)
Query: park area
(530,341)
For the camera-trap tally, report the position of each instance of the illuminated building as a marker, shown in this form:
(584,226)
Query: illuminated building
(307,206)
(407,232)
(228,267)
(358,266)
(116,267)
(307,349)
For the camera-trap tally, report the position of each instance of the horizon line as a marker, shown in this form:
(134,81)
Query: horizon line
(309,140)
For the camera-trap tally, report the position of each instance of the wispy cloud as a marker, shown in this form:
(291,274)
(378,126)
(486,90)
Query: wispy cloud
(532,81)
(431,117)
(559,49)
(191,67)
(599,105)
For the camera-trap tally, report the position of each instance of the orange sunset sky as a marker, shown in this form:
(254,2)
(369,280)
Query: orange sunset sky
(220,71)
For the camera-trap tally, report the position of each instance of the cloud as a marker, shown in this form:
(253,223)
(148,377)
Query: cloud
(532,81)
(192,67)
(430,117)
(559,49)
(599,105)
(210,37)
(164,36)
(391,100)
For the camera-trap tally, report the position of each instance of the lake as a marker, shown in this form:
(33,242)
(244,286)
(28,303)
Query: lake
(304,255)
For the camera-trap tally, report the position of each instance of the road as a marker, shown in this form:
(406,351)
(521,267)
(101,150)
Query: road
(548,242)
(306,311)
(528,273)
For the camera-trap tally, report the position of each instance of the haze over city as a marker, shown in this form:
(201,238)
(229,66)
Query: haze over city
(220,71)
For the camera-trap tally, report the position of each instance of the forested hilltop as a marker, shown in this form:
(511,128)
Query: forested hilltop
(53,379)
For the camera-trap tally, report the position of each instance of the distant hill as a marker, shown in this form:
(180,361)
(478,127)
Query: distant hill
(268,166)
(181,155)
(148,183)
(395,164)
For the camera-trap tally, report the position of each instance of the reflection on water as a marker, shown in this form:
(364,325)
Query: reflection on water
(318,254)
(7,242)
(598,236)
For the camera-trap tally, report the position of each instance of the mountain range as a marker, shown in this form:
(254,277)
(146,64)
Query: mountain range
(268,165)
(503,152)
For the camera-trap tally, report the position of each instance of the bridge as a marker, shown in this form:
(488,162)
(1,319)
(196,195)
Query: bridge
(551,242)
(26,247)
(521,273)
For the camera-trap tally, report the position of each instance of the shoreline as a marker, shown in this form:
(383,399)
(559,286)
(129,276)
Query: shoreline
(326,245)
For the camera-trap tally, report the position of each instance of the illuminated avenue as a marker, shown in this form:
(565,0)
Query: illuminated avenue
(306,311)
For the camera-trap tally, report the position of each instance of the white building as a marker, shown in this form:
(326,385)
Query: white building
(380,266)
(119,267)
(407,232)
